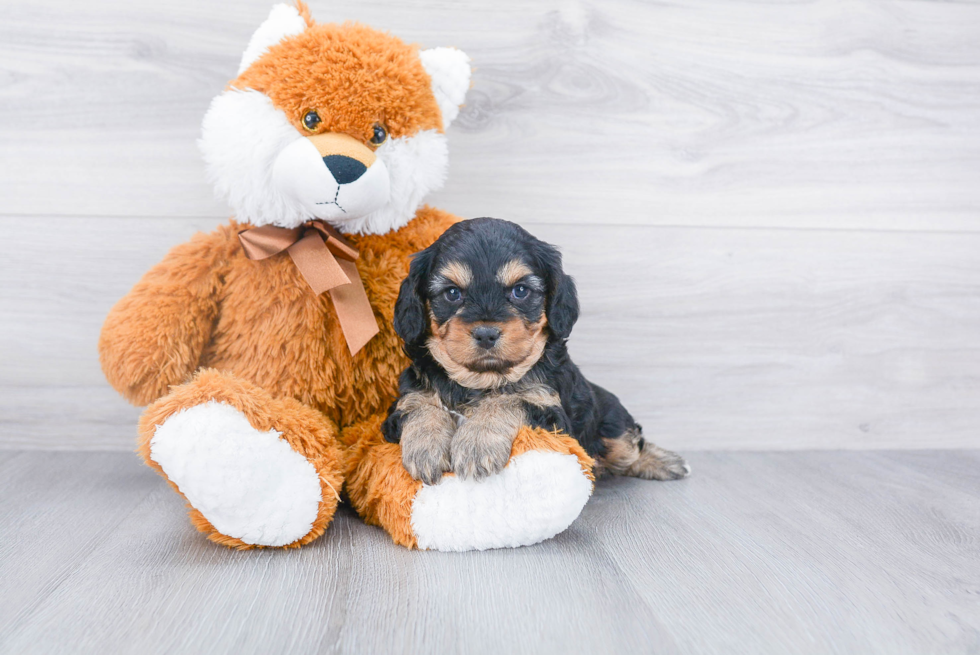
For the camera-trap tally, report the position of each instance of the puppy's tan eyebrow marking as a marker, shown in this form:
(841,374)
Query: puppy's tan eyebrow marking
(458,273)
(512,272)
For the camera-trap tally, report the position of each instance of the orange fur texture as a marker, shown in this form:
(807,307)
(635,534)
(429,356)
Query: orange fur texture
(170,325)
(379,77)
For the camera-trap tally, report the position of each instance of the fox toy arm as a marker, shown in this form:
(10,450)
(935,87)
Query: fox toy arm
(153,337)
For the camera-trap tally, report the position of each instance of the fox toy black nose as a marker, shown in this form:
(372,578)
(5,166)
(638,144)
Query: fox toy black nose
(343,168)
(486,337)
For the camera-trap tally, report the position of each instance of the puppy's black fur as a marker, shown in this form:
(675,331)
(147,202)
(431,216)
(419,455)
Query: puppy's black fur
(587,412)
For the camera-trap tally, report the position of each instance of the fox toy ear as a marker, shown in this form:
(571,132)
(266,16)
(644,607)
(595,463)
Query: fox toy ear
(449,69)
(283,21)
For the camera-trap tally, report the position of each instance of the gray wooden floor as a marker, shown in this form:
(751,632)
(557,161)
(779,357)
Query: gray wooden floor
(805,552)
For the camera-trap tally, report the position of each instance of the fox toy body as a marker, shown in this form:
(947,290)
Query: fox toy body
(259,413)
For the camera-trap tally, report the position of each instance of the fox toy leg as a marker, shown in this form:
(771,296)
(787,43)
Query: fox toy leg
(539,493)
(255,470)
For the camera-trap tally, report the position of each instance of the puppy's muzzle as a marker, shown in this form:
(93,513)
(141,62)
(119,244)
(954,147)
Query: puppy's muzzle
(485,336)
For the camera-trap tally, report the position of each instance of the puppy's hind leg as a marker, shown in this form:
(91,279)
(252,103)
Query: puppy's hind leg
(631,454)
(627,452)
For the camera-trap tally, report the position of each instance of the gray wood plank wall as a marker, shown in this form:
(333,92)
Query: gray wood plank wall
(772,211)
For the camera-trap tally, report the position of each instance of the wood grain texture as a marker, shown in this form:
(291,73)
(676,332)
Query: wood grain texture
(826,113)
(755,553)
(714,338)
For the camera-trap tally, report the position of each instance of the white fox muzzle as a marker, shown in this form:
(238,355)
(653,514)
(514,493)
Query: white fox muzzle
(333,177)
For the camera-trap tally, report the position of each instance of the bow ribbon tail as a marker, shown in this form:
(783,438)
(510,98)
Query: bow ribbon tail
(317,264)
(354,309)
(325,272)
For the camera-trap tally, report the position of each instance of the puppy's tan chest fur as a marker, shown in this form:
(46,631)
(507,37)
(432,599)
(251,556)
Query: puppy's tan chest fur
(273,331)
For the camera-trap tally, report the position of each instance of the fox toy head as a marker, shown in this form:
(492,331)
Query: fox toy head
(338,122)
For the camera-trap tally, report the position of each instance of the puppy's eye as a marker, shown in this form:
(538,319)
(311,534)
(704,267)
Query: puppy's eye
(520,291)
(310,120)
(380,135)
(452,294)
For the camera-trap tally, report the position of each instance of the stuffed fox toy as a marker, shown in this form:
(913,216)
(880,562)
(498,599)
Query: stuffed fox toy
(265,349)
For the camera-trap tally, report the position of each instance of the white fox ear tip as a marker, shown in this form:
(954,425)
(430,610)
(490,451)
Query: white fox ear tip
(283,21)
(447,51)
(450,71)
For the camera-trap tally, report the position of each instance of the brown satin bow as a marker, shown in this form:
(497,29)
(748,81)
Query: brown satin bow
(326,261)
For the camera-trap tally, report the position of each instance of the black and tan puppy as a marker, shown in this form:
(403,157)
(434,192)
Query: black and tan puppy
(485,313)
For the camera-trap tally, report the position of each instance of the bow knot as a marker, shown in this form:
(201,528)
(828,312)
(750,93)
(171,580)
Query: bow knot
(326,261)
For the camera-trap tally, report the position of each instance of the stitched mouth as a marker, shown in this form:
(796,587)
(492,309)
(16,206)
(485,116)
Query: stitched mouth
(334,201)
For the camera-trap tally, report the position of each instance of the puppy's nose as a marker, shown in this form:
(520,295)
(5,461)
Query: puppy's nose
(485,336)
(343,168)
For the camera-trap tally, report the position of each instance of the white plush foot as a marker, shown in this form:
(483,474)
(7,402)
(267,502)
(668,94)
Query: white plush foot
(250,485)
(534,498)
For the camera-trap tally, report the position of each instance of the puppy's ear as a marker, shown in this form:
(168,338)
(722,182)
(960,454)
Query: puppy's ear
(562,304)
(410,318)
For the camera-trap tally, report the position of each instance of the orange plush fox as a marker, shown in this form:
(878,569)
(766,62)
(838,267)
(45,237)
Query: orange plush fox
(265,393)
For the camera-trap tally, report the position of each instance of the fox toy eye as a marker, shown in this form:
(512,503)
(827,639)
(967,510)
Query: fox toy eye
(380,134)
(310,120)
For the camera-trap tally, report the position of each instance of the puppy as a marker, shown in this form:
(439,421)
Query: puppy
(485,313)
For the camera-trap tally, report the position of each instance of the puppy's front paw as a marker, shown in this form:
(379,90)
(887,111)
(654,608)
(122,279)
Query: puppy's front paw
(476,455)
(479,451)
(427,431)
(426,461)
